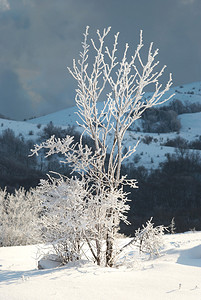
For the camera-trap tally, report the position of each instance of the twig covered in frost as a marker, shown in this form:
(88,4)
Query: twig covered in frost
(19,214)
(149,239)
(101,169)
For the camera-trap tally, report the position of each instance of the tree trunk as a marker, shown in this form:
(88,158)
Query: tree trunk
(98,248)
(109,250)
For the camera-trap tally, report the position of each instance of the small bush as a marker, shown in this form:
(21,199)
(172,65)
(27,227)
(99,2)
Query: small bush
(149,239)
(147,139)
(178,142)
(196,144)
(18,218)
(136,158)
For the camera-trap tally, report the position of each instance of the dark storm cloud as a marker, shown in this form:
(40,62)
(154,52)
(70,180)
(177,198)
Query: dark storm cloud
(40,38)
(14,100)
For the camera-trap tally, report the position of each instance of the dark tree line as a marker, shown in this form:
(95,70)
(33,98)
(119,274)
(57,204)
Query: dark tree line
(17,168)
(184,144)
(174,190)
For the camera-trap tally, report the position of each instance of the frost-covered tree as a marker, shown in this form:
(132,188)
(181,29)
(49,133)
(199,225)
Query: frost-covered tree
(121,84)
(18,217)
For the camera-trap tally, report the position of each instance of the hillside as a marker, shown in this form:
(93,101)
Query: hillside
(151,150)
(187,94)
(152,154)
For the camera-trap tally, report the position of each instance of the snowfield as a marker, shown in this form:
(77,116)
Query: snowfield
(176,274)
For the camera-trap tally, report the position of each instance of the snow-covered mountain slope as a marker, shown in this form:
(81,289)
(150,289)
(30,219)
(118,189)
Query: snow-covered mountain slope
(64,117)
(191,124)
(25,129)
(175,275)
(187,94)
(148,155)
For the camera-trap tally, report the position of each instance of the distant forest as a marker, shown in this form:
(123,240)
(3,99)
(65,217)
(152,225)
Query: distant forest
(171,191)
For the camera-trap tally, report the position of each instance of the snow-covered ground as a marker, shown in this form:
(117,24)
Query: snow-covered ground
(175,275)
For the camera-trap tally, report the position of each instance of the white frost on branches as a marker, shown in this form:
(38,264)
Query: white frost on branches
(125,102)
(99,170)
(149,239)
(18,217)
(73,213)
(64,219)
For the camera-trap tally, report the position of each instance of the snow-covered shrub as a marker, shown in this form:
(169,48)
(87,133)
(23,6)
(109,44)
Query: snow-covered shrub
(72,214)
(149,239)
(100,165)
(64,219)
(18,217)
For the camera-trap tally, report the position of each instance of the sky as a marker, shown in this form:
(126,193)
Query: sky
(40,38)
